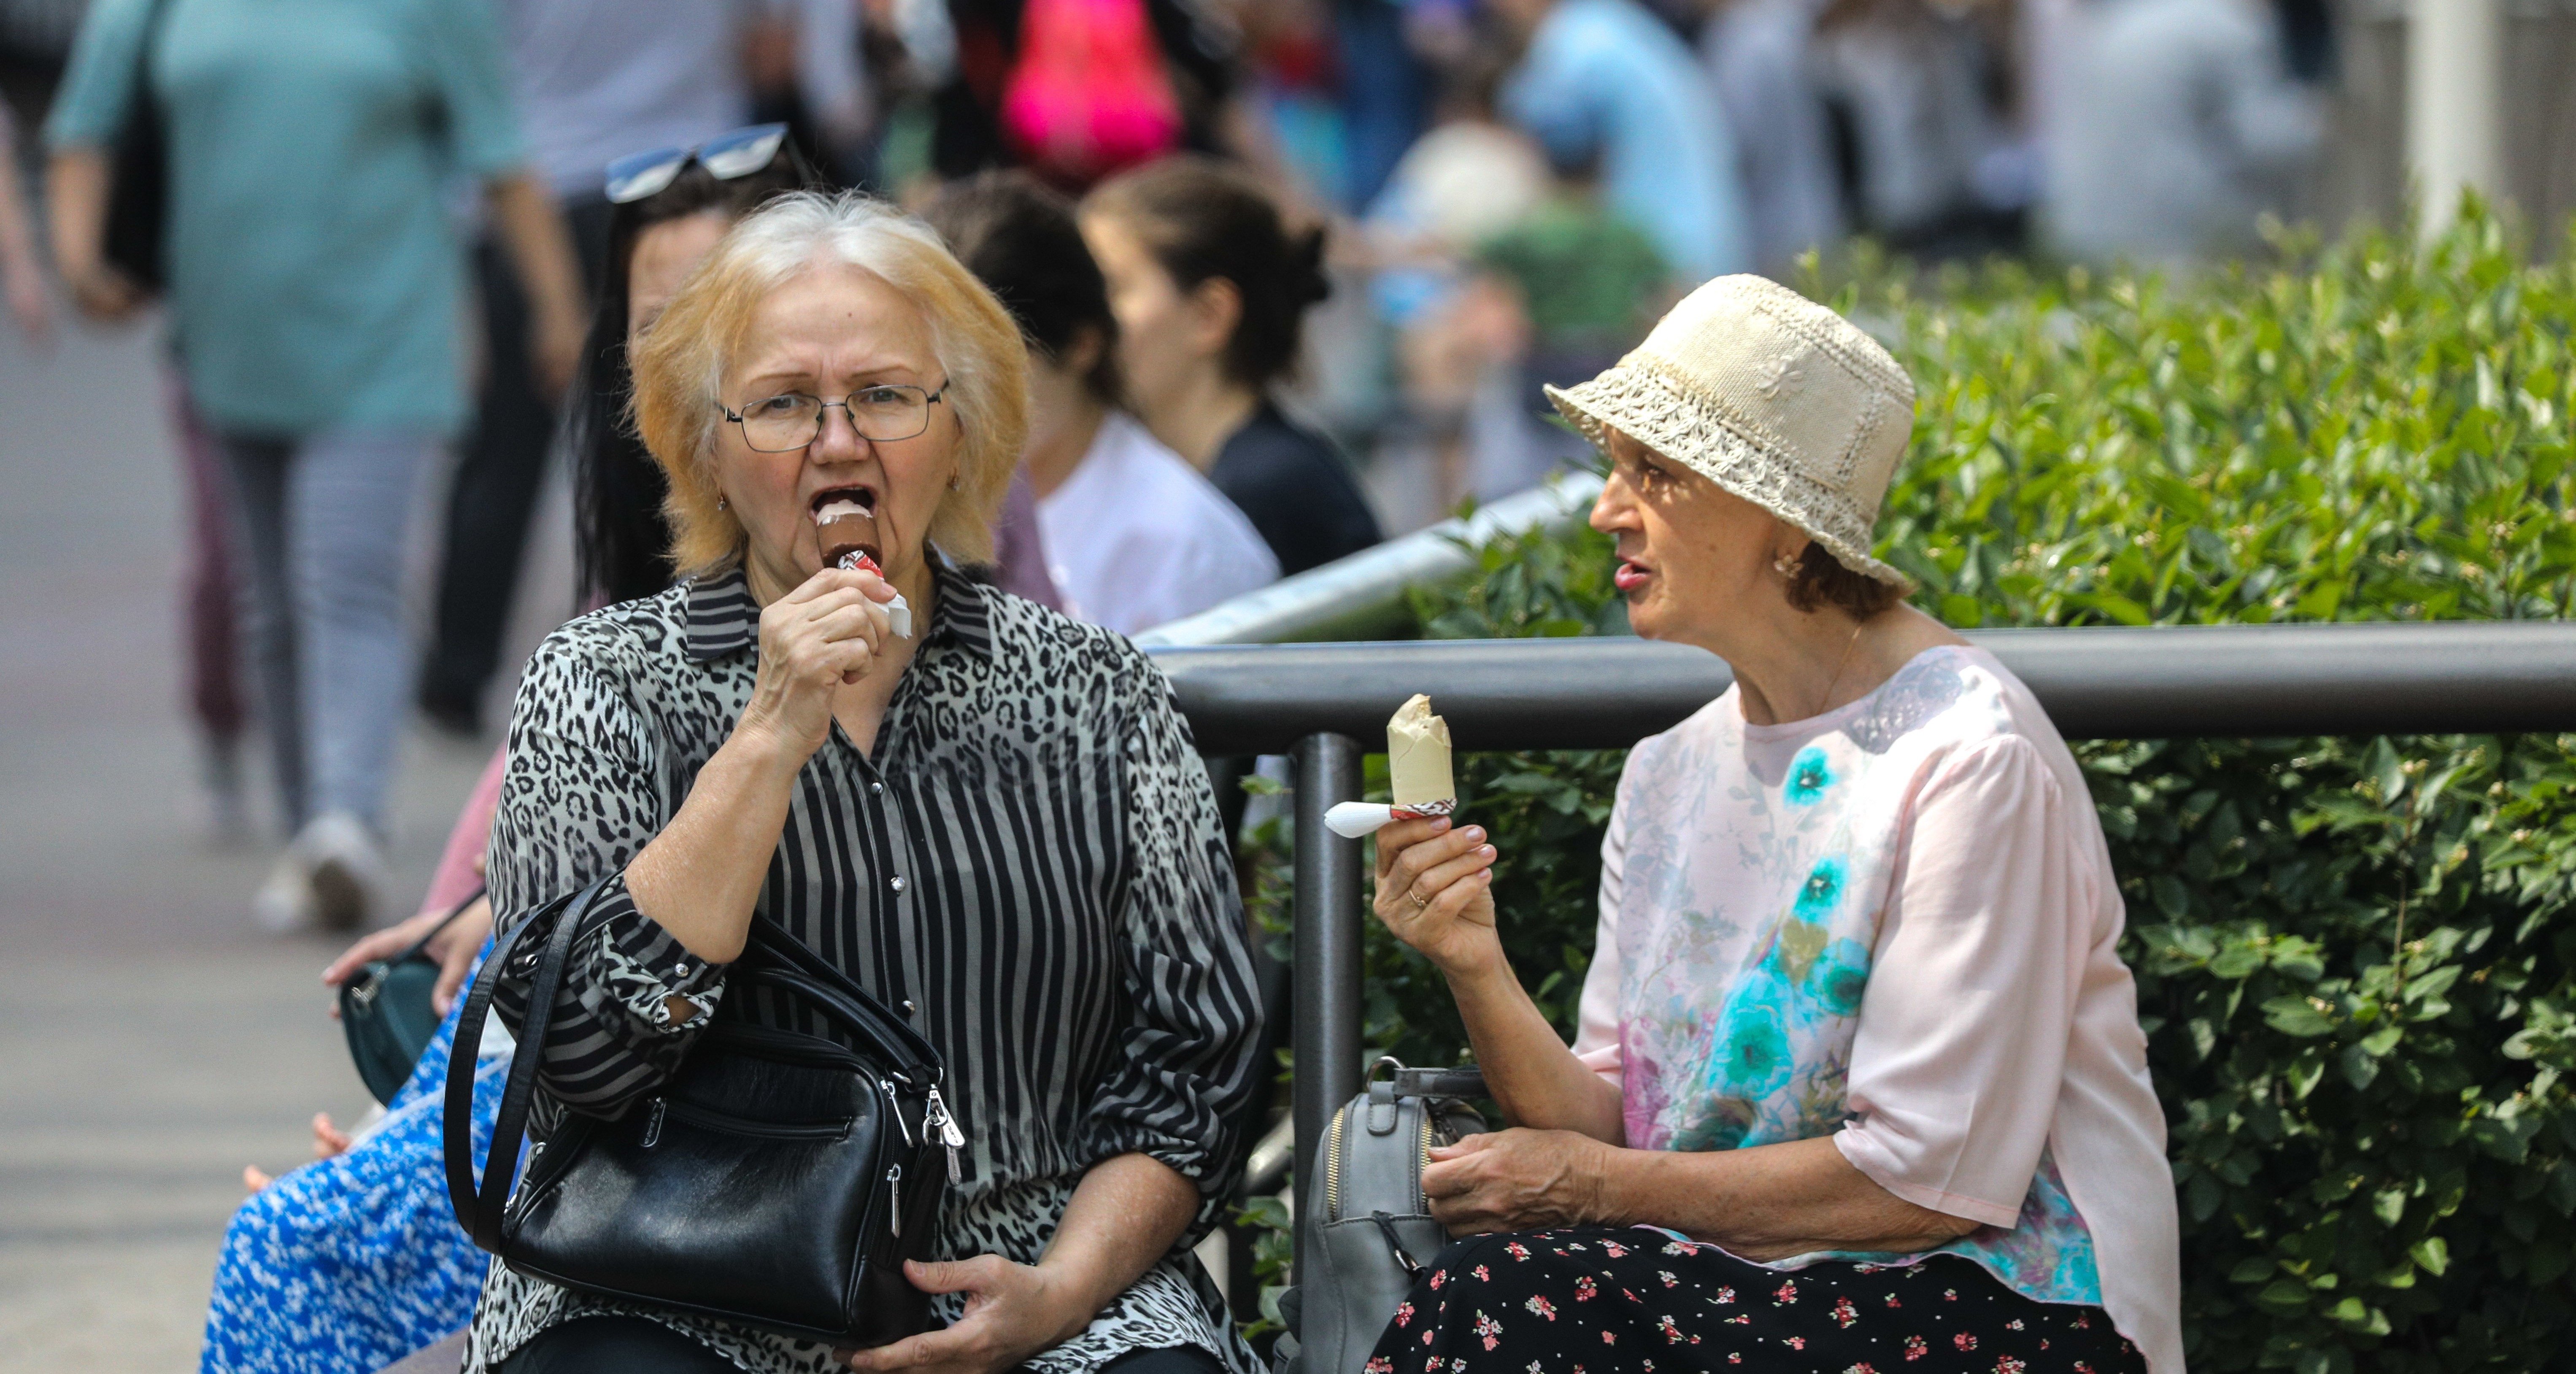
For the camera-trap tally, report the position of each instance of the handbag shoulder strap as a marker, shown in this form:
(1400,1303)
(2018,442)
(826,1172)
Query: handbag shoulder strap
(480,1213)
(421,944)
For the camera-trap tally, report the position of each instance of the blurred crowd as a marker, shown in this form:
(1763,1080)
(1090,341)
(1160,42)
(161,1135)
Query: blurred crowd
(1396,220)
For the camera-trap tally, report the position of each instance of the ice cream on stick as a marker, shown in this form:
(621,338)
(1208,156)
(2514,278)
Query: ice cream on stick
(1417,765)
(847,530)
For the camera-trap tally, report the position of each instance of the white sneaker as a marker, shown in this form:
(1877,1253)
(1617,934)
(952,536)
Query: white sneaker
(285,902)
(345,870)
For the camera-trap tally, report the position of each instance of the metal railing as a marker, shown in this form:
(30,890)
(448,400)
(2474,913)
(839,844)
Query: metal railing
(1362,596)
(1319,702)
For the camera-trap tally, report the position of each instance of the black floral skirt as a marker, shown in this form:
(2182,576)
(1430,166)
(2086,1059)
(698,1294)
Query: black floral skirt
(1564,1302)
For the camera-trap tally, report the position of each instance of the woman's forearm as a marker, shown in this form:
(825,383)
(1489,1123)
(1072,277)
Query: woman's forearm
(541,248)
(700,877)
(76,193)
(1768,1202)
(1125,1215)
(1528,1070)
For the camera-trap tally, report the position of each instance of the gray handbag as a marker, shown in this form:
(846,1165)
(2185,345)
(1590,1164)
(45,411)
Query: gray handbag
(1370,1230)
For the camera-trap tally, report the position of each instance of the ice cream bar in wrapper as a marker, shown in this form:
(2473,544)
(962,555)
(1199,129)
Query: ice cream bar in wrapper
(1417,765)
(848,531)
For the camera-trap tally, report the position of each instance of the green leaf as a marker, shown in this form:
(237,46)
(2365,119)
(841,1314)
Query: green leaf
(2296,1016)
(2434,1254)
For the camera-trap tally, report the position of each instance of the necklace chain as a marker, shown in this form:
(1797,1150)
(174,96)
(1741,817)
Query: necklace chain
(1839,664)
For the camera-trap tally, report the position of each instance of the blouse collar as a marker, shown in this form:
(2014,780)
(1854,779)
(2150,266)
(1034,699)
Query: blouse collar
(724,618)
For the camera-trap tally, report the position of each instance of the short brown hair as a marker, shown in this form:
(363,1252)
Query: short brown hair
(681,361)
(1821,580)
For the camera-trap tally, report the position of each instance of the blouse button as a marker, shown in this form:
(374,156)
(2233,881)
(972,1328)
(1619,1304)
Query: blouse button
(876,789)
(908,1007)
(897,884)
(679,970)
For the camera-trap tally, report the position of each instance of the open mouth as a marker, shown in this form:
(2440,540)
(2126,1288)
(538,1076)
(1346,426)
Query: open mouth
(1629,576)
(845,523)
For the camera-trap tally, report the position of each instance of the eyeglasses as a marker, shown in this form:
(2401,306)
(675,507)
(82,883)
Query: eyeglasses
(726,156)
(881,414)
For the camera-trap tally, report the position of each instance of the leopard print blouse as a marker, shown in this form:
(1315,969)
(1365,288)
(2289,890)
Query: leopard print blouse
(1030,865)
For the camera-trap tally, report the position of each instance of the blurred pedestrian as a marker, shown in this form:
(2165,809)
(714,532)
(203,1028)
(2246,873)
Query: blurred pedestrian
(1609,72)
(1588,284)
(2179,124)
(1760,55)
(594,80)
(1135,536)
(316,286)
(1923,89)
(1210,290)
(1075,90)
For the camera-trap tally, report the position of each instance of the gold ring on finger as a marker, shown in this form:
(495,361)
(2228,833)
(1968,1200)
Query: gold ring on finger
(1420,902)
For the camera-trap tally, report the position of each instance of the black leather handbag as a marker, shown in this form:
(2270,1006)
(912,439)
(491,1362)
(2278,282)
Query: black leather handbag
(387,1013)
(779,1179)
(135,236)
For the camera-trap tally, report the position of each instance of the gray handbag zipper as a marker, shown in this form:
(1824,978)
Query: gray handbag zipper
(894,1200)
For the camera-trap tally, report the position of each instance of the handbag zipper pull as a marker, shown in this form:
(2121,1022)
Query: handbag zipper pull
(895,1105)
(938,1119)
(894,1200)
(653,1125)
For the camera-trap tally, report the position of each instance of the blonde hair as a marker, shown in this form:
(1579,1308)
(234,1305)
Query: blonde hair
(680,362)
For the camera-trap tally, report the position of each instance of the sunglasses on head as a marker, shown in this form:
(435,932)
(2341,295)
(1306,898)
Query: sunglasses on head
(726,156)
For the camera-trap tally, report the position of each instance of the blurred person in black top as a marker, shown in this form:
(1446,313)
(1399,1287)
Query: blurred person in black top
(1210,289)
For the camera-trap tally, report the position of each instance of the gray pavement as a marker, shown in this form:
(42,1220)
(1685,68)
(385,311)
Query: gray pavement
(152,1042)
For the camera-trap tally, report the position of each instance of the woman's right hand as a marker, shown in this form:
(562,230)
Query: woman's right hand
(813,641)
(453,947)
(1435,891)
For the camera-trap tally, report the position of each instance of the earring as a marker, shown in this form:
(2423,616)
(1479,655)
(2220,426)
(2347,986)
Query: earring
(1785,566)
(953,486)
(722,504)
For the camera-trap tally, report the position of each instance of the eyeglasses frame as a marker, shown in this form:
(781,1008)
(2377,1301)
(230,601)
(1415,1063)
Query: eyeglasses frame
(929,398)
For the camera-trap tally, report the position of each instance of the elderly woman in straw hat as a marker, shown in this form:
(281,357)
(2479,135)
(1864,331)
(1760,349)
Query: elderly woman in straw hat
(1860,1082)
(991,818)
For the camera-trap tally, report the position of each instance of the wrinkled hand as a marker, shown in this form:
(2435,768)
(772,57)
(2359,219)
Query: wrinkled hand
(454,948)
(1516,1180)
(1435,890)
(1012,1312)
(813,641)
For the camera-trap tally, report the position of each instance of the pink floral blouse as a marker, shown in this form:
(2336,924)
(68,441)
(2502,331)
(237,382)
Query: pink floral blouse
(1895,924)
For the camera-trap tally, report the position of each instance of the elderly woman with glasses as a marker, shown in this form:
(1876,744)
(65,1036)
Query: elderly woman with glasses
(1859,1083)
(996,823)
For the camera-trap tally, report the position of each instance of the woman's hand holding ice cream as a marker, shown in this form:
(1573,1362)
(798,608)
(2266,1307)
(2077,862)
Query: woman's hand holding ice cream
(1434,877)
(1435,891)
(815,640)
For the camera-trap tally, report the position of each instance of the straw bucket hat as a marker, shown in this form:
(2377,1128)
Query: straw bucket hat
(1771,396)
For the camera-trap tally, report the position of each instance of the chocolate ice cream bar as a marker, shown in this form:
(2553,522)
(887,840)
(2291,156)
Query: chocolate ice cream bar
(845,527)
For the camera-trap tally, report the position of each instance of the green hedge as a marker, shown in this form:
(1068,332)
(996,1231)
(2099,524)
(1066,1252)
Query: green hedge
(2354,956)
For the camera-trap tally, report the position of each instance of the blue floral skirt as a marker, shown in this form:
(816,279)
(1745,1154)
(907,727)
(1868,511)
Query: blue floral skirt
(1589,1299)
(346,1265)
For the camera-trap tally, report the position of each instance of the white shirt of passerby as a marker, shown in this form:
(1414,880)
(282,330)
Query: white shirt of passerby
(1135,537)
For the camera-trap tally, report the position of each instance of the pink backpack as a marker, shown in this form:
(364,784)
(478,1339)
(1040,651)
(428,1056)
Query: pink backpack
(1089,95)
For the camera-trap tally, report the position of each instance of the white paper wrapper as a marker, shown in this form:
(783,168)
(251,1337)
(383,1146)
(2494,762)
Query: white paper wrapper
(898,611)
(1359,820)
